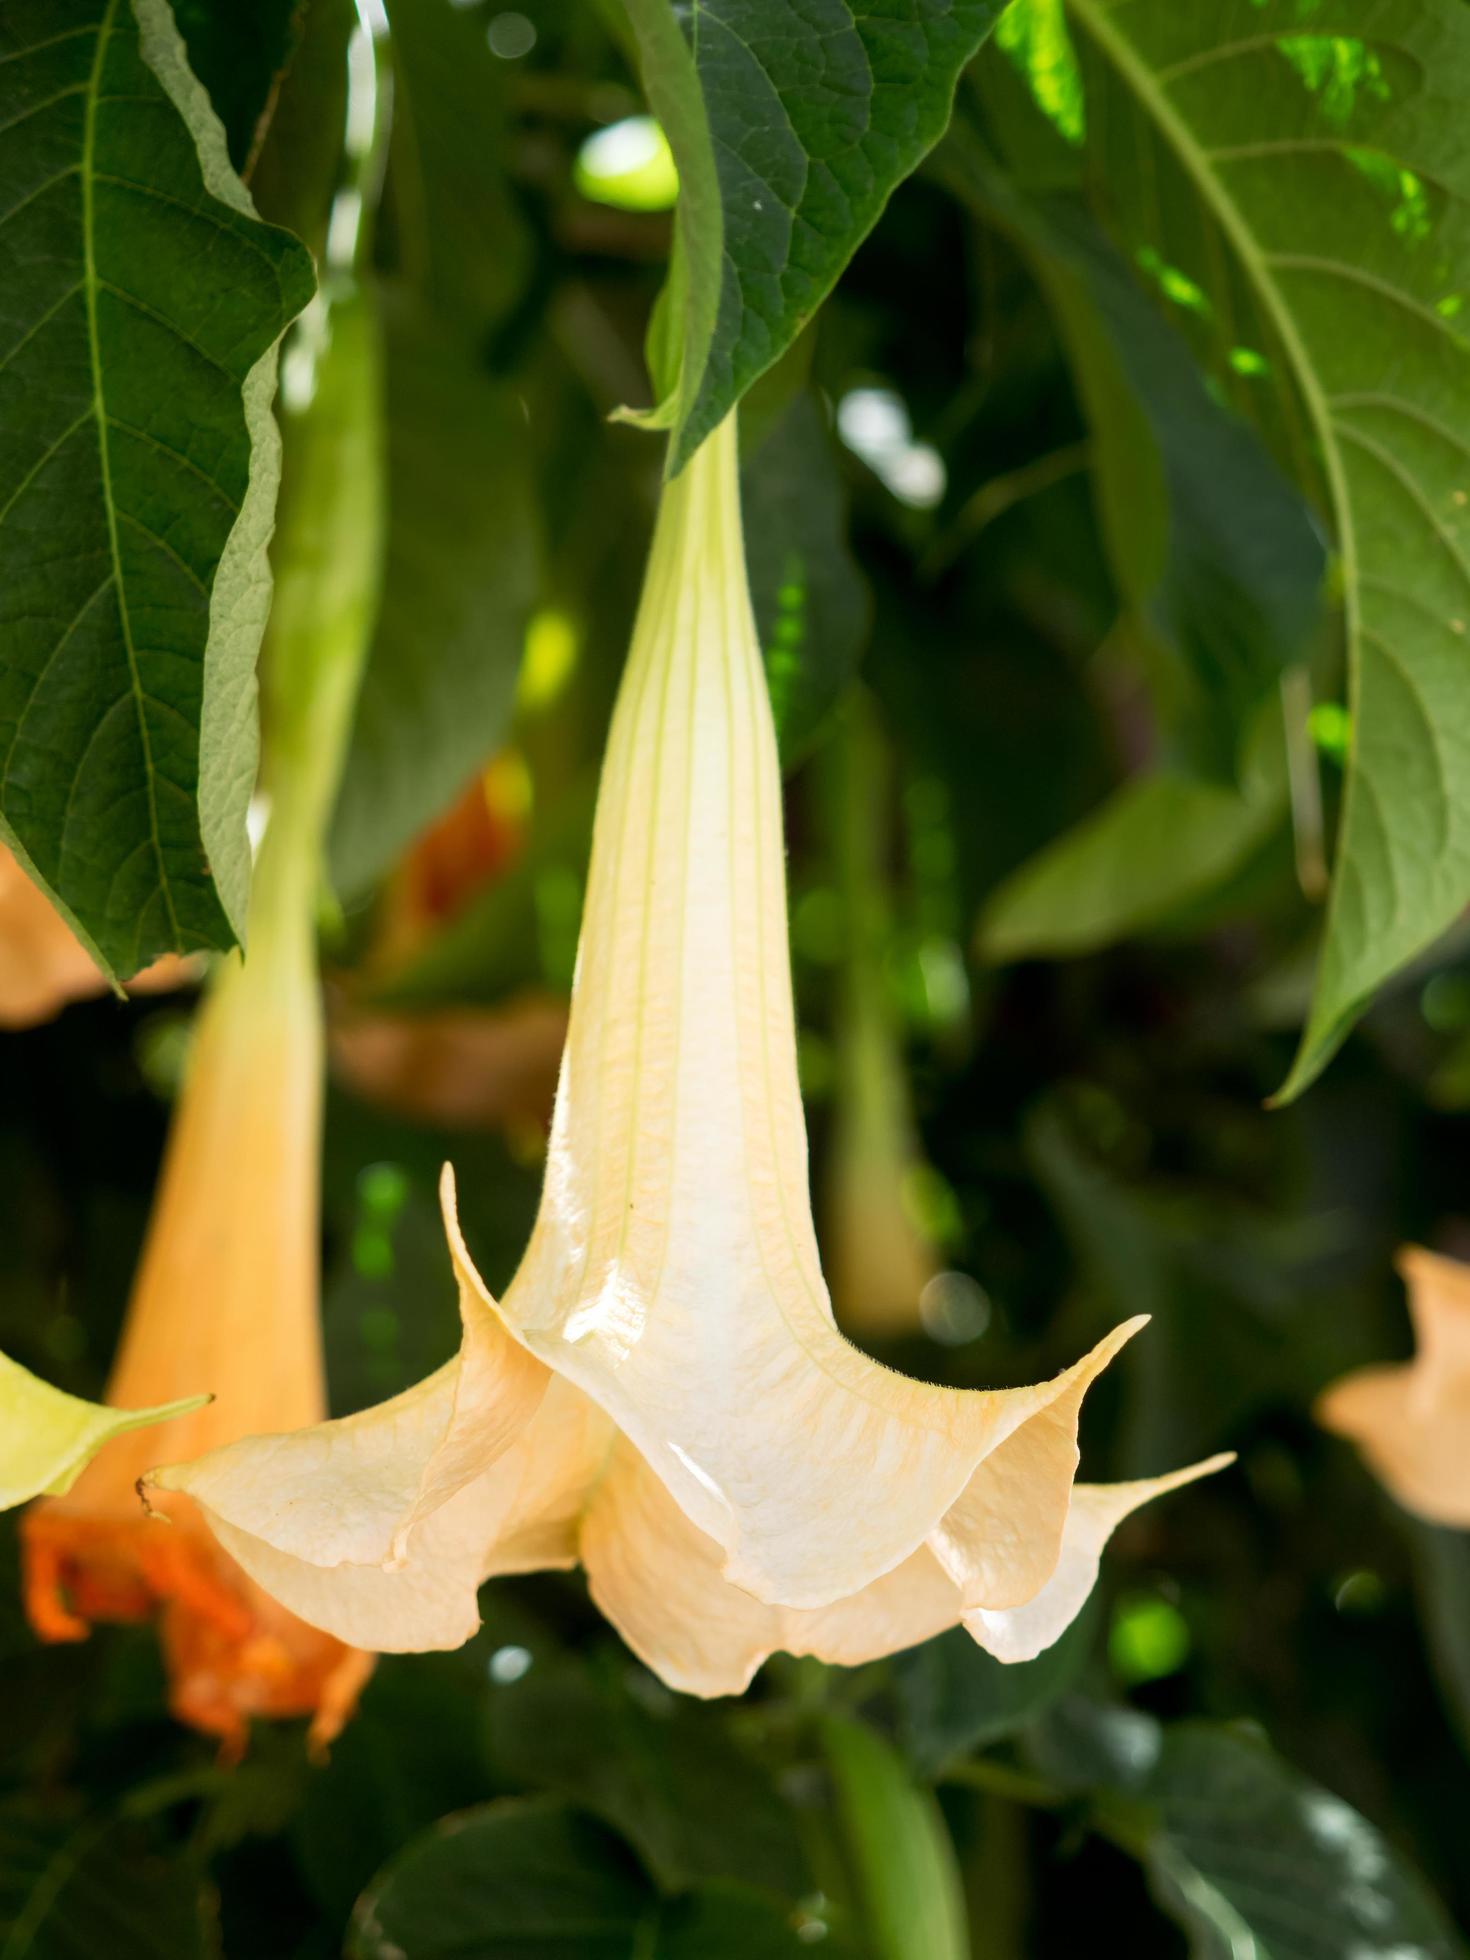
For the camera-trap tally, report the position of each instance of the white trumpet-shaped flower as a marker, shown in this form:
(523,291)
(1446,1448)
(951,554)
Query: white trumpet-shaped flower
(663,1394)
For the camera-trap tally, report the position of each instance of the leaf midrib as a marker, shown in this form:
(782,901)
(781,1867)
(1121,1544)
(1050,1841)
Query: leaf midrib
(1193,159)
(90,284)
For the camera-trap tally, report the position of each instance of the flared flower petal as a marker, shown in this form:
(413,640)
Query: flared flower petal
(658,1579)
(47,1438)
(1411,1420)
(1026,1630)
(769,1485)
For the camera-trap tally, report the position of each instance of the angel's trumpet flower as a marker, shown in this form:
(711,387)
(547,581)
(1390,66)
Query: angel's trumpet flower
(1411,1419)
(663,1393)
(226,1293)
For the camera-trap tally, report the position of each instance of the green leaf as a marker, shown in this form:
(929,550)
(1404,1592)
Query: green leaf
(1157,844)
(661,1769)
(71,1884)
(790,129)
(811,605)
(142,301)
(1295,183)
(506,1880)
(955,1698)
(459,582)
(1251,1857)
(899,1848)
(530,1876)
(1215,554)
(240,54)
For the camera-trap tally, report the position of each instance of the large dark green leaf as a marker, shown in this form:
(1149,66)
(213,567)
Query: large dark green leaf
(141,302)
(1246,1850)
(507,1880)
(1250,1856)
(790,125)
(665,1773)
(459,580)
(1296,181)
(533,1877)
(74,1885)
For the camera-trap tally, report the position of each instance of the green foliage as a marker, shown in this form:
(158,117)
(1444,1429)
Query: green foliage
(138,480)
(902,1858)
(1157,844)
(458,585)
(539,1876)
(1246,1853)
(1297,180)
(72,1884)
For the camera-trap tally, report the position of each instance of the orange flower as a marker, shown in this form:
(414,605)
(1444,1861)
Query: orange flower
(225,1298)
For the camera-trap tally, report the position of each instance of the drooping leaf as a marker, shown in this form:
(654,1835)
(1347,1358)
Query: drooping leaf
(74,1884)
(1158,843)
(811,606)
(903,1861)
(1215,554)
(790,127)
(459,581)
(142,301)
(1294,182)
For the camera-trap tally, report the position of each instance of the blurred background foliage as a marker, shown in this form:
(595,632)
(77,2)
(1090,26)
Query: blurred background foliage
(1056,870)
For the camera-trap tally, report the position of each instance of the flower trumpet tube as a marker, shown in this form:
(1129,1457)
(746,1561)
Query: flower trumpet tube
(226,1294)
(663,1393)
(1411,1419)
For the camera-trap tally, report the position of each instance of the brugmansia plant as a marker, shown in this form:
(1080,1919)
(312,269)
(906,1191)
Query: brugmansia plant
(898,564)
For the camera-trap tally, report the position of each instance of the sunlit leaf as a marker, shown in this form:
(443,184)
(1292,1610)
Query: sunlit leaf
(1294,182)
(142,303)
(790,128)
